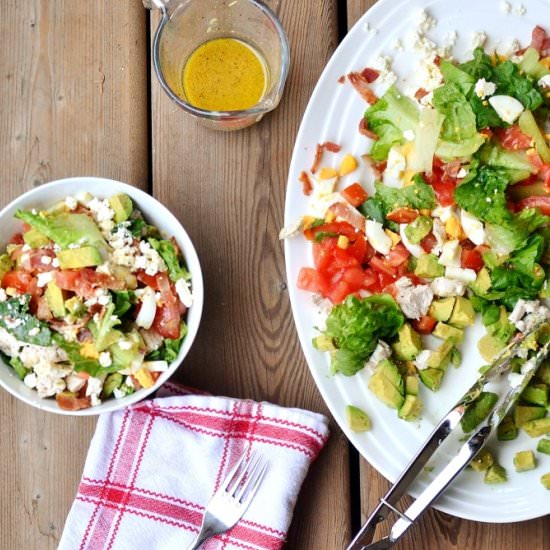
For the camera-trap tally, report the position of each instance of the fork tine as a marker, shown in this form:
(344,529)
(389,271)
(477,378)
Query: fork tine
(252,484)
(248,468)
(233,473)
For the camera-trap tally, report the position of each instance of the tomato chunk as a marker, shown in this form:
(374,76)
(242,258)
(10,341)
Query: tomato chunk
(424,325)
(403,215)
(355,194)
(542,203)
(471,259)
(311,280)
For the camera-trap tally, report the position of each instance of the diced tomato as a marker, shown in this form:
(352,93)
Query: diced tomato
(70,402)
(542,203)
(383,266)
(424,325)
(471,259)
(534,159)
(370,74)
(342,258)
(338,292)
(442,182)
(385,280)
(323,253)
(22,281)
(428,242)
(147,280)
(403,215)
(338,228)
(17,238)
(167,320)
(513,138)
(84,281)
(355,277)
(359,248)
(355,194)
(312,280)
(398,255)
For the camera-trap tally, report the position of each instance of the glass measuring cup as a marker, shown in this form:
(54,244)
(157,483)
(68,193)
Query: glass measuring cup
(186,24)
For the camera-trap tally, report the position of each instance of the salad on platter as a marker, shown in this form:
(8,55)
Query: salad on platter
(93,300)
(455,227)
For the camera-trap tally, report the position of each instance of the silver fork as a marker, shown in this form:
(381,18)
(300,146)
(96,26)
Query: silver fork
(229,503)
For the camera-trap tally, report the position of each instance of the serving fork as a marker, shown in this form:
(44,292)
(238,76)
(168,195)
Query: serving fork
(229,503)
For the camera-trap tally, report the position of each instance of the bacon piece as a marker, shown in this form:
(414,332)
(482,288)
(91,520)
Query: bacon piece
(341,79)
(364,131)
(420,93)
(320,149)
(376,167)
(369,74)
(349,214)
(331,146)
(437,60)
(537,38)
(307,186)
(361,85)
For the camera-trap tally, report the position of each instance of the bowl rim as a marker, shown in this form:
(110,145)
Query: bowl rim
(194,313)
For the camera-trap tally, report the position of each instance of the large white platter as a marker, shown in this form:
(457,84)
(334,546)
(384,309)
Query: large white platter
(333,114)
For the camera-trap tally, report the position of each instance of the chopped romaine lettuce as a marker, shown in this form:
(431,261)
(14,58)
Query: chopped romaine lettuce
(389,117)
(460,120)
(168,253)
(417,195)
(511,82)
(356,325)
(80,363)
(16,318)
(170,348)
(103,329)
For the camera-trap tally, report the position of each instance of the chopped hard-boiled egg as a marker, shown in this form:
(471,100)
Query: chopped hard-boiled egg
(395,167)
(443,212)
(377,237)
(453,228)
(463,275)
(450,254)
(438,230)
(508,108)
(148,308)
(415,249)
(473,228)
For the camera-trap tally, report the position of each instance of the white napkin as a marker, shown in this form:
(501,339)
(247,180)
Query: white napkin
(152,468)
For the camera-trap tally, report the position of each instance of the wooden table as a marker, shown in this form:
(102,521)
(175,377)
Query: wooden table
(78,98)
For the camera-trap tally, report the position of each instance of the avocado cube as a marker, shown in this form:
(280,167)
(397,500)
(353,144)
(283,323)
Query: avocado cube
(536,428)
(323,343)
(536,394)
(358,419)
(442,309)
(411,408)
(431,378)
(408,344)
(455,357)
(543,373)
(54,299)
(439,359)
(489,347)
(6,264)
(428,267)
(524,461)
(483,460)
(122,206)
(35,239)
(495,474)
(507,430)
(478,410)
(387,384)
(463,314)
(526,413)
(447,332)
(114,380)
(74,258)
(482,284)
(545,480)
(411,384)
(543,446)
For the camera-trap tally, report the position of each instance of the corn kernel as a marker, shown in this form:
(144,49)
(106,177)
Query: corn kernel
(342,242)
(395,238)
(408,177)
(88,350)
(327,173)
(454,229)
(348,165)
(143,376)
(330,216)
(307,222)
(10,291)
(425,212)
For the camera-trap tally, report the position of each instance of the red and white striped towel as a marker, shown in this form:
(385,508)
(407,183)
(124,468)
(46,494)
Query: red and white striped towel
(151,469)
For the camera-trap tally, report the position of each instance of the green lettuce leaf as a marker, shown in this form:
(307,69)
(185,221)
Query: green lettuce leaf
(170,348)
(123,300)
(460,120)
(480,66)
(103,329)
(80,364)
(511,82)
(16,318)
(417,195)
(356,325)
(168,253)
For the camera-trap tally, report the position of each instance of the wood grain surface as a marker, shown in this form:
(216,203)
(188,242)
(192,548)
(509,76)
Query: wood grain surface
(76,100)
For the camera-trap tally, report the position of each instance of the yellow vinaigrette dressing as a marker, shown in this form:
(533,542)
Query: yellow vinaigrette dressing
(224,74)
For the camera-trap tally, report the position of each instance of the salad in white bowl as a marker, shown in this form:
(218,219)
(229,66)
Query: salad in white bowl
(96,296)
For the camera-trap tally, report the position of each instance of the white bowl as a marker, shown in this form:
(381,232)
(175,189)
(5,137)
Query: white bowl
(156,214)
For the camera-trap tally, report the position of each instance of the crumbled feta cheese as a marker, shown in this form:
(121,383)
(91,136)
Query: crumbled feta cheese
(424,21)
(30,380)
(427,100)
(49,376)
(478,39)
(506,7)
(101,210)
(520,10)
(483,88)
(508,47)
(473,228)
(381,352)
(450,254)
(42,279)
(377,237)
(395,167)
(544,82)
(55,262)
(3,295)
(429,74)
(444,287)
(94,400)
(421,360)
(413,300)
(34,331)
(149,260)
(409,135)
(183,288)
(71,203)
(46,260)
(462,173)
(527,314)
(383,64)
(95,384)
(464,275)
(104,268)
(103,300)
(118,393)
(398,46)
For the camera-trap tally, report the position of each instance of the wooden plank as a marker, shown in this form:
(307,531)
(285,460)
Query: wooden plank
(74,89)
(439,531)
(228,190)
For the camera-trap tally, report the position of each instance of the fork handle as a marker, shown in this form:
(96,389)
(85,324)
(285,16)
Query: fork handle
(208,529)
